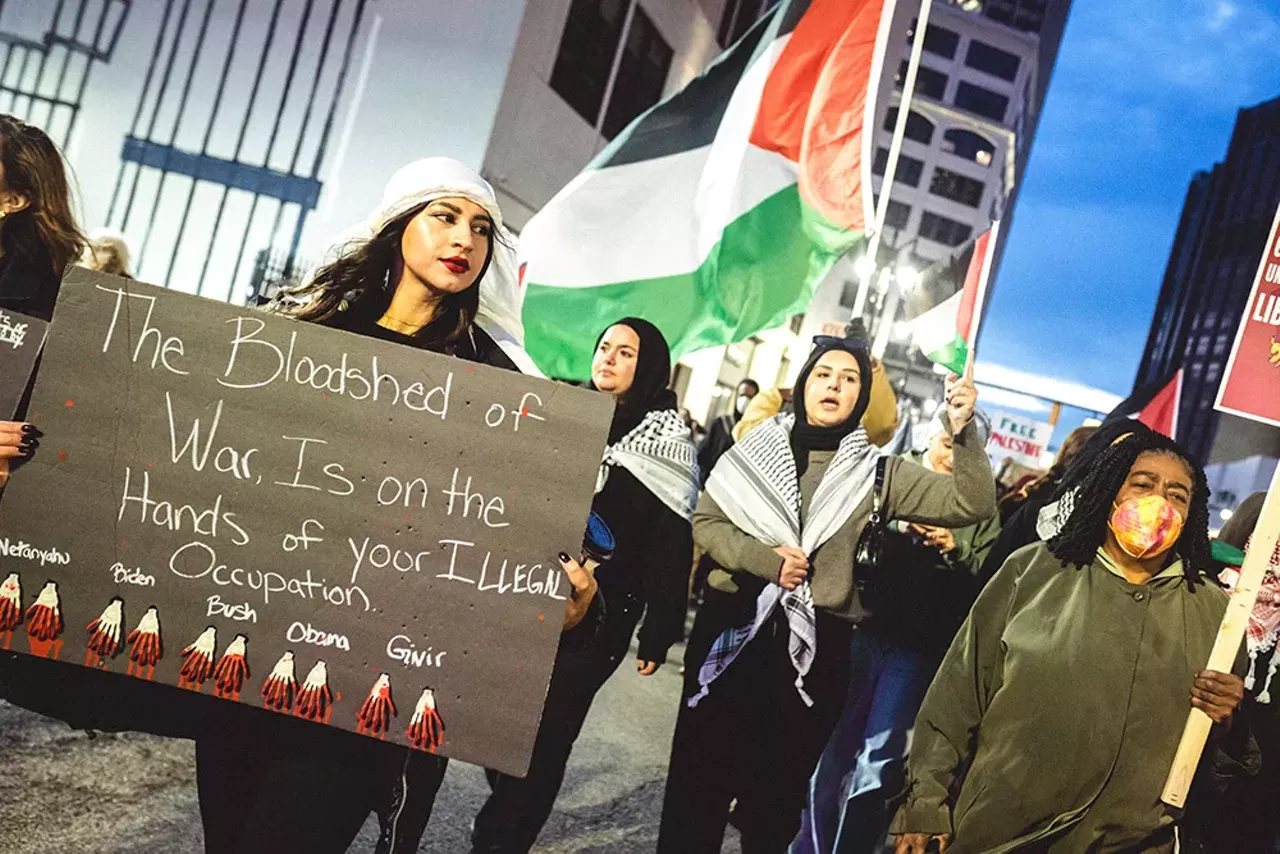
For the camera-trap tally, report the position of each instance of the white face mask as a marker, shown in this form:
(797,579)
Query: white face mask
(740,405)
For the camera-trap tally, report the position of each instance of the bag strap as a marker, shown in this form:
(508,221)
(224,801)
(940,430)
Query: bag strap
(877,493)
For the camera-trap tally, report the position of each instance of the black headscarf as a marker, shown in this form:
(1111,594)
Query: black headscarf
(806,437)
(648,392)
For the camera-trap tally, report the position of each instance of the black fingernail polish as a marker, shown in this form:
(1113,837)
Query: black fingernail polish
(28,429)
(29,445)
(564,557)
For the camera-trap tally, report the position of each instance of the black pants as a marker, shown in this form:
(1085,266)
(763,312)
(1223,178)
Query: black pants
(269,783)
(752,737)
(517,809)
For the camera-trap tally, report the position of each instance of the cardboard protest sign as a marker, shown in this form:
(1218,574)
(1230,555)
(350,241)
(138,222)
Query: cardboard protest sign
(1024,440)
(1251,384)
(287,516)
(21,338)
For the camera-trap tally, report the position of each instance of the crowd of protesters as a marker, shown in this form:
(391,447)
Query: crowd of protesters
(886,651)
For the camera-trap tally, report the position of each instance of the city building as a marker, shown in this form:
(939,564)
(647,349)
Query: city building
(984,75)
(1221,233)
(231,140)
(979,93)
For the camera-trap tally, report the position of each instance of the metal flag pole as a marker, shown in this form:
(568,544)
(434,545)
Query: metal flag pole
(895,148)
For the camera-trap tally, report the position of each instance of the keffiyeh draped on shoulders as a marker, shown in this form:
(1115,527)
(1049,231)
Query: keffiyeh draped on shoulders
(660,453)
(756,485)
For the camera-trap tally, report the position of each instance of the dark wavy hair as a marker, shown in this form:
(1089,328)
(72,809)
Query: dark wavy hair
(45,231)
(1084,533)
(357,287)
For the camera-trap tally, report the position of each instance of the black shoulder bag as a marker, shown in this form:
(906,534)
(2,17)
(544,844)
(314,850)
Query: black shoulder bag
(870,550)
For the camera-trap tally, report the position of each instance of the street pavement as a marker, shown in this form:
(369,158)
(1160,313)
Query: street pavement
(62,791)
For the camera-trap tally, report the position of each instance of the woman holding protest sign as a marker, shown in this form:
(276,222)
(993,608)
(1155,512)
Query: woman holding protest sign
(767,669)
(647,489)
(431,268)
(1055,716)
(39,237)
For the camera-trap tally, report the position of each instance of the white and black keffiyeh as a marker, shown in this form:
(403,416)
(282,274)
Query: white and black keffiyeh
(660,453)
(756,485)
(1053,517)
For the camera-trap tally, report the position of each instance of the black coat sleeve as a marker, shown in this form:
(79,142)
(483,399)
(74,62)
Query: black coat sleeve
(667,562)
(718,440)
(1019,531)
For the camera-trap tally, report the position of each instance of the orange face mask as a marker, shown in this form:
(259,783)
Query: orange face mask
(1146,527)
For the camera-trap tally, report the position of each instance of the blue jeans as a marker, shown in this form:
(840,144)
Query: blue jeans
(864,763)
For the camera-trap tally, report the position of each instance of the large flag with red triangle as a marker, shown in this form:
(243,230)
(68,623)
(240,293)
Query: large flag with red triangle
(715,214)
(1155,404)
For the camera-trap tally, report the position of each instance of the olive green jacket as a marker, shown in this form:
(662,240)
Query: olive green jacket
(973,542)
(1054,718)
(914,494)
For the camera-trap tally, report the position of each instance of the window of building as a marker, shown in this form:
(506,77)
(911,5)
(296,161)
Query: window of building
(919,128)
(908,172)
(590,44)
(1025,15)
(738,16)
(956,187)
(969,145)
(930,83)
(587,48)
(642,73)
(992,60)
(897,214)
(937,40)
(944,230)
(982,101)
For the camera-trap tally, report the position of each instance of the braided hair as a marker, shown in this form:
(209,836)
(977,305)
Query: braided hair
(1085,530)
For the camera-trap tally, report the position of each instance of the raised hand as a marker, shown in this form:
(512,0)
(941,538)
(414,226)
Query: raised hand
(962,398)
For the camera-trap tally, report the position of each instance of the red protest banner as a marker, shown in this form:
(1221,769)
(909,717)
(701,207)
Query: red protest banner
(1251,384)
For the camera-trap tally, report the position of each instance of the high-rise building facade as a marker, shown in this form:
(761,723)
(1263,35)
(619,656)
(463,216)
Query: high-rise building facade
(979,94)
(1220,238)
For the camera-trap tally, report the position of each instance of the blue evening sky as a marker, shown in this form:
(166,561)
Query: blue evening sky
(1145,93)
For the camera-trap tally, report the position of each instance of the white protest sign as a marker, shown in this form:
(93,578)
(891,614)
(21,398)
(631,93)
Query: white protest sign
(1023,439)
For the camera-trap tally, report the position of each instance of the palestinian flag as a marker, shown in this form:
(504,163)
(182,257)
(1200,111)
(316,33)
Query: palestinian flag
(945,309)
(1155,404)
(717,212)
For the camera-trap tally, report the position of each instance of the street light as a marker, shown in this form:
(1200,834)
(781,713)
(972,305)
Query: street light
(864,268)
(908,278)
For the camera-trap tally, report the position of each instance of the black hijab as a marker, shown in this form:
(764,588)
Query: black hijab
(806,437)
(648,392)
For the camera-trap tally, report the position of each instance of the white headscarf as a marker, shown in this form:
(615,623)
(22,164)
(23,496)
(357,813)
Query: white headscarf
(424,181)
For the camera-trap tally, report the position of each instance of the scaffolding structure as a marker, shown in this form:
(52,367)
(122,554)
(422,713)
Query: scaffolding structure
(222,161)
(43,80)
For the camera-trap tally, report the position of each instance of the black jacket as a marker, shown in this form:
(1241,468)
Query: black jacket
(1018,531)
(651,562)
(719,439)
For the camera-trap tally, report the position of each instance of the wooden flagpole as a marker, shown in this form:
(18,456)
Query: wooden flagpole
(1227,645)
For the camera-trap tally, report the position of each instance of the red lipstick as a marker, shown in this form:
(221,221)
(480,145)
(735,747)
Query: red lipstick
(456,265)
